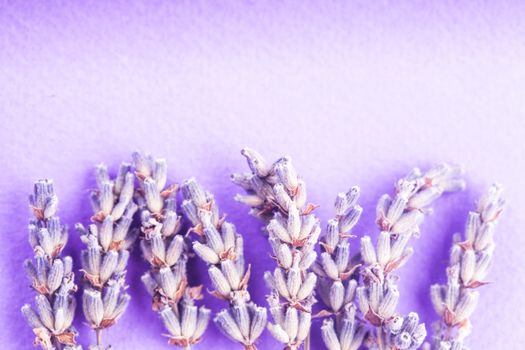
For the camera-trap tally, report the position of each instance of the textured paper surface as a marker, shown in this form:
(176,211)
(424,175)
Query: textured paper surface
(356,93)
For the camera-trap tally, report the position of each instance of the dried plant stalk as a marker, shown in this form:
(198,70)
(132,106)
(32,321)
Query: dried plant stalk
(167,253)
(221,247)
(51,275)
(105,258)
(278,196)
(335,269)
(470,260)
(398,219)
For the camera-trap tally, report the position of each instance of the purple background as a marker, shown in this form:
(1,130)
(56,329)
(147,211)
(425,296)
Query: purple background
(356,94)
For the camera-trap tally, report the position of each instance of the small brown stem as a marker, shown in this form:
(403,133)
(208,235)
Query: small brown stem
(98,332)
(379,337)
(57,344)
(449,332)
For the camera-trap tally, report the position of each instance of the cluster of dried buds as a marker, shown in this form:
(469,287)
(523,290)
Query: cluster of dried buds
(277,195)
(403,333)
(378,303)
(221,247)
(270,187)
(106,255)
(399,219)
(335,269)
(50,274)
(470,260)
(167,253)
(346,333)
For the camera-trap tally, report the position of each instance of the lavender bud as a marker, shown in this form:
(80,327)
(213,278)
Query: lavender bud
(32,318)
(189,320)
(202,322)
(232,274)
(45,311)
(389,303)
(336,297)
(228,326)
(171,322)
(278,333)
(329,266)
(276,229)
(258,323)
(367,251)
(287,174)
(242,318)
(152,195)
(219,281)
(193,191)
(93,307)
(329,335)
(308,286)
(54,279)
(109,263)
(291,322)
(214,239)
(350,219)
(294,222)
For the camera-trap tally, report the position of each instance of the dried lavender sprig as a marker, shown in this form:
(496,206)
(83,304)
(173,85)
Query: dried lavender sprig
(270,187)
(469,264)
(399,219)
(106,255)
(167,253)
(50,274)
(278,196)
(335,268)
(221,248)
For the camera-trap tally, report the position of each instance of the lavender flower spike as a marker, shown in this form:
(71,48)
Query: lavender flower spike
(222,249)
(50,274)
(470,260)
(166,250)
(105,257)
(278,196)
(271,188)
(335,269)
(398,219)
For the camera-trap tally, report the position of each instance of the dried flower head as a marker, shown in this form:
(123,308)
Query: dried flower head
(167,253)
(398,219)
(106,255)
(221,247)
(278,195)
(271,188)
(469,264)
(335,269)
(50,274)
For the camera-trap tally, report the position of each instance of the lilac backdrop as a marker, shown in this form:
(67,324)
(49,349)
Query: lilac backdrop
(356,93)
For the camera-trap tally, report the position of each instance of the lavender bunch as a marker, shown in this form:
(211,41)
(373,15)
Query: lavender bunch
(470,260)
(167,253)
(335,269)
(50,274)
(399,219)
(278,196)
(222,248)
(106,255)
